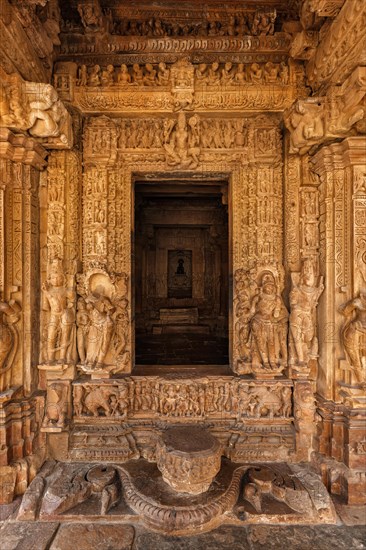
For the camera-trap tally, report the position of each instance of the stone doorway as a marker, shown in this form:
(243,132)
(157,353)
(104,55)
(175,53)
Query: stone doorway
(181,273)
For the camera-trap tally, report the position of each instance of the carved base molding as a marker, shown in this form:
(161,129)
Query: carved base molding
(239,494)
(22,447)
(342,446)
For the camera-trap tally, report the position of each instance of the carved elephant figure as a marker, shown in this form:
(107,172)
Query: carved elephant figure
(98,398)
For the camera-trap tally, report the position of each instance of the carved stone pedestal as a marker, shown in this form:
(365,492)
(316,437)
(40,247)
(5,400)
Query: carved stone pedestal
(188,458)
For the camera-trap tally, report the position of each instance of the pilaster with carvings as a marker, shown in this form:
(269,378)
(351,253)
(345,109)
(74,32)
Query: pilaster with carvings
(21,160)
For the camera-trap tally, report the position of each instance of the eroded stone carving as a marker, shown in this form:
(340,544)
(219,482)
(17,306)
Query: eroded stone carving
(56,407)
(188,458)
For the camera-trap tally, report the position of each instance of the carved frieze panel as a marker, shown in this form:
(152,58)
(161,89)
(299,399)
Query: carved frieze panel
(172,399)
(181,85)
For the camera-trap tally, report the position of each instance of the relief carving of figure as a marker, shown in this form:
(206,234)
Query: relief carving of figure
(47,114)
(269,327)
(304,298)
(9,340)
(59,300)
(176,143)
(353,335)
(55,408)
(306,124)
(101,329)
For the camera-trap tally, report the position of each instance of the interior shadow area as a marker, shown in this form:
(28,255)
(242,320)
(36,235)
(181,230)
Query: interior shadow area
(181,273)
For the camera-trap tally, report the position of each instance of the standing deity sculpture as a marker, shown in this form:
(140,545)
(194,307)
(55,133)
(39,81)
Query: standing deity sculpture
(268,329)
(59,300)
(304,296)
(353,335)
(9,316)
(101,329)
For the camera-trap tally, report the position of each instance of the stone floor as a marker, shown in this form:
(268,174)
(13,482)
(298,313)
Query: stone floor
(181,349)
(17,535)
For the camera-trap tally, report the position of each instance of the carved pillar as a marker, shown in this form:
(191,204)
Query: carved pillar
(341,254)
(342,171)
(21,160)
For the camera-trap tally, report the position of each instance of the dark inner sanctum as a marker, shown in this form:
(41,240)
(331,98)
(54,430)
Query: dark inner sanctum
(181,274)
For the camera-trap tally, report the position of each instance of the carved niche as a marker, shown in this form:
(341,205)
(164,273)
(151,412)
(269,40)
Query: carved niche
(103,322)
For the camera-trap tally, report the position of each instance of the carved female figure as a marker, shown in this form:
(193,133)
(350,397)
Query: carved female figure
(9,315)
(60,301)
(304,298)
(101,329)
(354,334)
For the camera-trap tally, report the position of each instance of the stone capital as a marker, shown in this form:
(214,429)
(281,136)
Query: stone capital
(317,120)
(35,108)
(22,148)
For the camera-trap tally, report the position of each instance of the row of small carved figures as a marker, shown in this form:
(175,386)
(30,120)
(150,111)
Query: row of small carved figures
(216,74)
(182,400)
(260,23)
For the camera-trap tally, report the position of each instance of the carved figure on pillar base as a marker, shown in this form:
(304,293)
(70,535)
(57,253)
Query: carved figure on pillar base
(353,335)
(55,408)
(268,330)
(59,300)
(304,296)
(9,340)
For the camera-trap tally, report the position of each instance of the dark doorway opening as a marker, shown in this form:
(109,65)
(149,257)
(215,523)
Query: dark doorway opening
(181,273)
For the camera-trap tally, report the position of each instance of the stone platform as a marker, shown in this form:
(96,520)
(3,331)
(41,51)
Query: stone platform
(240,494)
